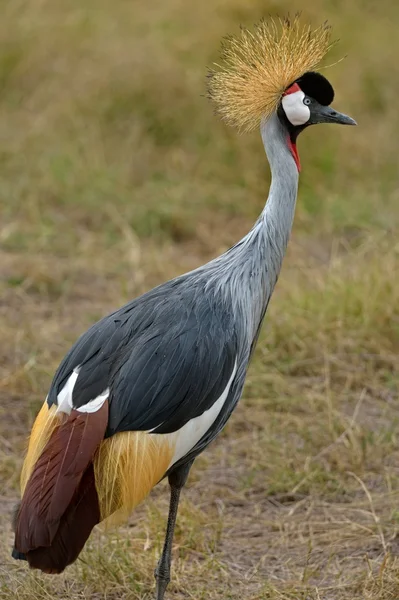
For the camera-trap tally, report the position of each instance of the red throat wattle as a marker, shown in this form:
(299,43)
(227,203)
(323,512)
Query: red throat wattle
(294,152)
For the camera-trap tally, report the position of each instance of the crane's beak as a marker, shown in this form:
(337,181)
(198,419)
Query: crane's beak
(326,114)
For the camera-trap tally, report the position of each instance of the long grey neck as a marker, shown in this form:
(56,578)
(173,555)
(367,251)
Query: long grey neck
(275,222)
(247,273)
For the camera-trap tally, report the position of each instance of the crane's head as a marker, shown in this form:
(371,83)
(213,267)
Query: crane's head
(306,102)
(271,69)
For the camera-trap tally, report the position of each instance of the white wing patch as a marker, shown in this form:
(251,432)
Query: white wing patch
(296,111)
(64,398)
(94,404)
(186,438)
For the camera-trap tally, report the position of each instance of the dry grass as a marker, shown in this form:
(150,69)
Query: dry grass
(115,176)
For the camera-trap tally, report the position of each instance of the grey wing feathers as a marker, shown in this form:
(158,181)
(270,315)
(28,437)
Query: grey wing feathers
(171,378)
(166,357)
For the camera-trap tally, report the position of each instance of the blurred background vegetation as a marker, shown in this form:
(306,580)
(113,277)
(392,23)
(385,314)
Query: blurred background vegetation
(114,176)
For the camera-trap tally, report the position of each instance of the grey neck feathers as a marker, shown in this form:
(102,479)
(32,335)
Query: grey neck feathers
(276,219)
(247,273)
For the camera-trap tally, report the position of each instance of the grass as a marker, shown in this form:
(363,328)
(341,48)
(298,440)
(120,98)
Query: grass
(114,176)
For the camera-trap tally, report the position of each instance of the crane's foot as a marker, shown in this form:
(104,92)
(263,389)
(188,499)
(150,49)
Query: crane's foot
(162,579)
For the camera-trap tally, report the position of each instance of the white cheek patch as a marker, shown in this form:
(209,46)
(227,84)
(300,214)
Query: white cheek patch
(296,111)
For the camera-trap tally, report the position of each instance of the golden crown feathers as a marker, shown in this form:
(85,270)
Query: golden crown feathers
(260,65)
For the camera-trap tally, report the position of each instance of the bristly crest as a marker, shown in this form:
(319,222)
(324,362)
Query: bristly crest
(260,65)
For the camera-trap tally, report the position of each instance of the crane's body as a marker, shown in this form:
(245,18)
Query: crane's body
(148,387)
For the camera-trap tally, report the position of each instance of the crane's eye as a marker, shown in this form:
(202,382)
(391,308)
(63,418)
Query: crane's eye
(307,101)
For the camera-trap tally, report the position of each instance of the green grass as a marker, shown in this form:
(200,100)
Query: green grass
(114,176)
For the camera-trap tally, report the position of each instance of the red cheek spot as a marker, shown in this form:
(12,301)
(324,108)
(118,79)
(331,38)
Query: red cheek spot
(292,89)
(294,152)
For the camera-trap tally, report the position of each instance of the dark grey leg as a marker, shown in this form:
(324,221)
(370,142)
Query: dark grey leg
(177,479)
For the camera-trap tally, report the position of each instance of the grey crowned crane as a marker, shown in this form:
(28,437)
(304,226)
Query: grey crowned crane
(148,387)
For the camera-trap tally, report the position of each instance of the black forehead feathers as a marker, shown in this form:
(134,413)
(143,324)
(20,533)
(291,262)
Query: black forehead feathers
(316,86)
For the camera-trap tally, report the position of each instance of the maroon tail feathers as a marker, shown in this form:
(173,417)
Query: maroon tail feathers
(60,507)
